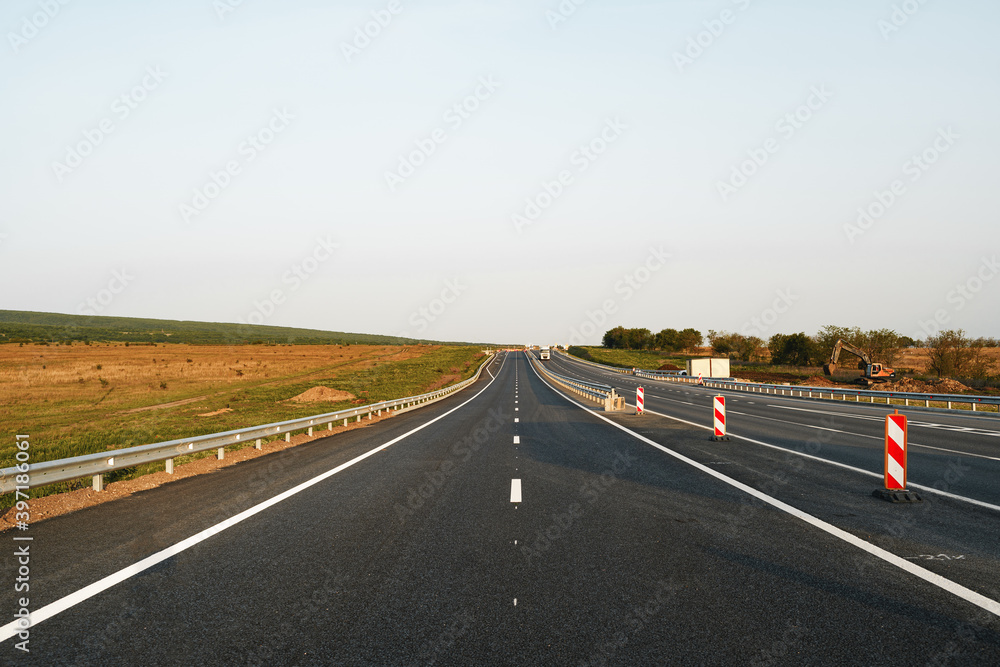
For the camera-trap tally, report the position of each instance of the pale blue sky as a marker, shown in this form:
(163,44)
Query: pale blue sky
(343,124)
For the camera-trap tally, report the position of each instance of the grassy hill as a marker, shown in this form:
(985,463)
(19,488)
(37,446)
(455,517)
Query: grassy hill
(18,326)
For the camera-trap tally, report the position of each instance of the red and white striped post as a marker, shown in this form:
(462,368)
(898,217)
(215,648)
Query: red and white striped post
(895,452)
(639,401)
(719,412)
(701,380)
(895,462)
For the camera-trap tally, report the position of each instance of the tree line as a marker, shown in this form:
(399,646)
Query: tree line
(952,352)
(667,340)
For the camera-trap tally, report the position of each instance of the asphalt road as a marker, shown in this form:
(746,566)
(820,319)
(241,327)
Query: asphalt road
(956,453)
(615,552)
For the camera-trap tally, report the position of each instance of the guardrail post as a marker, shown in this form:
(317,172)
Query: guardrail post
(310,430)
(329,427)
(288,436)
(258,445)
(221,453)
(949,405)
(170,466)
(98,482)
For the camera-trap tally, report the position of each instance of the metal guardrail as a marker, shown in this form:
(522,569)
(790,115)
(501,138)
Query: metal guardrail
(670,375)
(801,391)
(603,367)
(96,465)
(595,390)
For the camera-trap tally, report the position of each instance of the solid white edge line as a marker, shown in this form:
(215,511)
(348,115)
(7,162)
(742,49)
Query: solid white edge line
(48,611)
(922,487)
(857,435)
(928,489)
(948,585)
(515,490)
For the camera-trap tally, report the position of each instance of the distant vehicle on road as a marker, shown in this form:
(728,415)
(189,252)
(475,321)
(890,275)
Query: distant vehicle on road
(544,353)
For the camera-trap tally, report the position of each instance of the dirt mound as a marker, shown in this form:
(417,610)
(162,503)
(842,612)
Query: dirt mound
(905,384)
(818,381)
(669,367)
(942,386)
(948,386)
(322,394)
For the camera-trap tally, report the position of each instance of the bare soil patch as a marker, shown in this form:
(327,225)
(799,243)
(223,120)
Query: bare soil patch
(442,382)
(220,411)
(322,394)
(171,404)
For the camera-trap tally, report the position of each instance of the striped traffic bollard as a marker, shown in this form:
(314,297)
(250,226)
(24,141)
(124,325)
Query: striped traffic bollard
(895,462)
(639,401)
(719,416)
(701,380)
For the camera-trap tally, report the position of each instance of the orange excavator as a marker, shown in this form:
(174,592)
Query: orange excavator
(873,372)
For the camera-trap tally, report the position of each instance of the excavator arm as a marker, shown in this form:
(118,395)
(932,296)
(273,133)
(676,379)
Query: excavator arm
(843,346)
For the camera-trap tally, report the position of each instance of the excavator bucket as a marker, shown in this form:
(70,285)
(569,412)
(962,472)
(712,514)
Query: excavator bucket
(829,369)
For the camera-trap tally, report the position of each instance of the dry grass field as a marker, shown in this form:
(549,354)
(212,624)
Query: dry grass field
(77,399)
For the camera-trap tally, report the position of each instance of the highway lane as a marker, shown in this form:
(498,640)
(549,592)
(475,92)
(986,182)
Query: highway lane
(959,454)
(616,553)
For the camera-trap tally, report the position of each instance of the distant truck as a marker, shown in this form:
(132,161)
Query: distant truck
(544,353)
(709,367)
